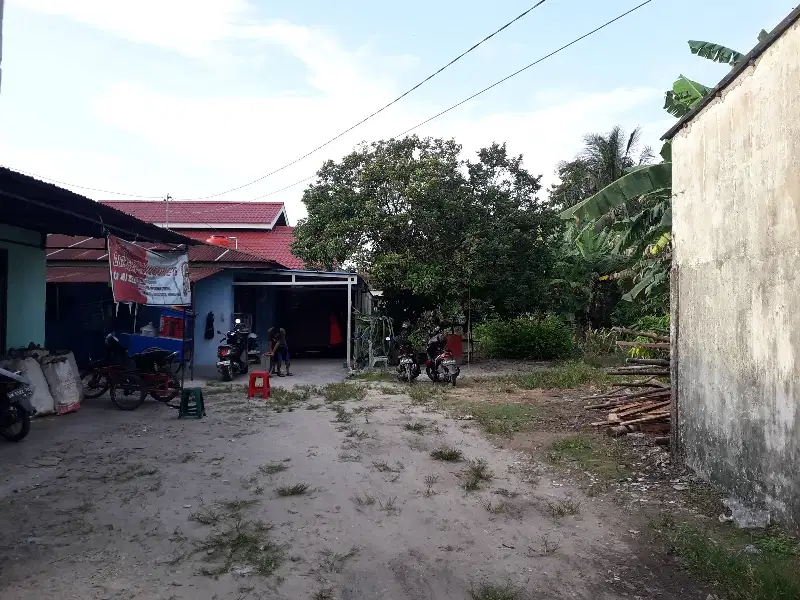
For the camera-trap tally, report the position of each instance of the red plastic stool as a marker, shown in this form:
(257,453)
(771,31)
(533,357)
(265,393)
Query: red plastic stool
(252,389)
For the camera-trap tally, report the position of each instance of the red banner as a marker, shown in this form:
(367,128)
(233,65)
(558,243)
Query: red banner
(147,277)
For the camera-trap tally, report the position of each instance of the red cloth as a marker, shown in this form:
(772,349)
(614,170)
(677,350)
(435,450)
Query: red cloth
(336,333)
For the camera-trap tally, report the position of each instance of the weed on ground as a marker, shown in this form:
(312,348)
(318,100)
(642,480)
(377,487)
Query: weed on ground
(298,489)
(591,454)
(374,375)
(567,375)
(385,467)
(334,562)
(417,427)
(273,468)
(343,392)
(505,419)
(244,543)
(491,591)
(741,566)
(563,507)
(447,453)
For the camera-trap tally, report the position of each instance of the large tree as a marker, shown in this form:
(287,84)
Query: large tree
(431,228)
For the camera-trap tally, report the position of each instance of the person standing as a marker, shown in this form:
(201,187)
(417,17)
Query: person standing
(278,350)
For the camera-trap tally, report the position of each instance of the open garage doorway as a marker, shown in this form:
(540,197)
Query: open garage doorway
(315,308)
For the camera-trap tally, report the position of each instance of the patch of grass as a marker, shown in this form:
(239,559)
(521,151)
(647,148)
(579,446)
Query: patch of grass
(389,505)
(448,454)
(349,457)
(774,574)
(244,543)
(423,394)
(374,375)
(476,473)
(273,468)
(206,515)
(563,507)
(384,467)
(313,406)
(566,375)
(505,419)
(343,392)
(323,594)
(492,591)
(355,432)
(548,547)
(418,427)
(431,480)
(393,390)
(333,562)
(342,416)
(589,454)
(364,499)
(298,489)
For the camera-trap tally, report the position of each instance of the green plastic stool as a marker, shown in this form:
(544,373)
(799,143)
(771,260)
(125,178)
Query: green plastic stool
(192,403)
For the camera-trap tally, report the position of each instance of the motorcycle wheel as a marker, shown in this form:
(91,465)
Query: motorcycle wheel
(128,391)
(19,428)
(401,374)
(95,384)
(174,387)
(431,373)
(225,373)
(453,380)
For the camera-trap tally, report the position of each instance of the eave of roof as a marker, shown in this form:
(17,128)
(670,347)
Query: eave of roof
(734,73)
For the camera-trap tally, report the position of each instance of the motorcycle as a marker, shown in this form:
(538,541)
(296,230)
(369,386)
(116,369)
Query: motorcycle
(443,368)
(234,352)
(15,406)
(150,371)
(408,368)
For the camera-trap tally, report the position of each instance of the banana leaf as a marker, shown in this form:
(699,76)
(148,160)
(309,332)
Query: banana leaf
(684,96)
(654,178)
(715,52)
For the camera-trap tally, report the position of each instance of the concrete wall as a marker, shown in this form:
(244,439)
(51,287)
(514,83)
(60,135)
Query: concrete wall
(26,286)
(213,294)
(736,223)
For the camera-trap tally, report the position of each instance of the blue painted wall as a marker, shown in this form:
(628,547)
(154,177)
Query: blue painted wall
(213,294)
(26,287)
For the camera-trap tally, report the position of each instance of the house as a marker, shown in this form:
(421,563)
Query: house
(243,268)
(30,210)
(736,278)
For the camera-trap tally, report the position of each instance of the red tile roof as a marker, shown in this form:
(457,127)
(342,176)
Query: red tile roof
(271,245)
(198,212)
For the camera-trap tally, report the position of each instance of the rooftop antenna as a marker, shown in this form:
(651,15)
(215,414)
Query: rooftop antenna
(166,210)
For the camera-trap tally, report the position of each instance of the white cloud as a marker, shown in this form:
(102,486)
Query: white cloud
(229,139)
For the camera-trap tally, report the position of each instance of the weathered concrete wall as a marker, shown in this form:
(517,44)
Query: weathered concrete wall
(736,222)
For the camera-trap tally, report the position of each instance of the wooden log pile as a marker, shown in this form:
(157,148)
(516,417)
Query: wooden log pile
(641,402)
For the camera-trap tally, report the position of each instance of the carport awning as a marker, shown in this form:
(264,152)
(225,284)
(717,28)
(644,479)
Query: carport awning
(39,206)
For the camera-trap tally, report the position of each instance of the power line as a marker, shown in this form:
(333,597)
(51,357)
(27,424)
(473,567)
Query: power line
(486,89)
(525,68)
(380,110)
(81,187)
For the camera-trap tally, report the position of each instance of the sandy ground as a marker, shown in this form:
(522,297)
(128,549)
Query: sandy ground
(125,505)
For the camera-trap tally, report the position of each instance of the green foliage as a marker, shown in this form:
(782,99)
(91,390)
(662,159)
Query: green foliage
(527,338)
(652,324)
(569,375)
(715,52)
(504,419)
(433,229)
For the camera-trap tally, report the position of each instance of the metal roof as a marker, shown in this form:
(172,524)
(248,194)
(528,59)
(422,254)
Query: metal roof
(734,73)
(198,213)
(39,206)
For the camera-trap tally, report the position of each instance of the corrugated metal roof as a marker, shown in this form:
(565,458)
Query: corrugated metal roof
(100,274)
(195,212)
(734,73)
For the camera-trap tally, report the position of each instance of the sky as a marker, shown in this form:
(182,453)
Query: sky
(195,97)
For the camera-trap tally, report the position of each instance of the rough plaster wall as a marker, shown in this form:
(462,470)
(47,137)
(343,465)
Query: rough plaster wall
(736,224)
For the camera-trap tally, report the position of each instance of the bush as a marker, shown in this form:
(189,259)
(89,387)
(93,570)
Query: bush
(527,338)
(650,324)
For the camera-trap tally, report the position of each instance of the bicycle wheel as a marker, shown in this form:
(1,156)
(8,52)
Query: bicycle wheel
(128,391)
(95,383)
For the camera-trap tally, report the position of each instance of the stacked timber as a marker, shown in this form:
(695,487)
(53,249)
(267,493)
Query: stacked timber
(640,402)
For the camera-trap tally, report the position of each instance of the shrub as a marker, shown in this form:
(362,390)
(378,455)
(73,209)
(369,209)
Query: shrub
(527,338)
(650,324)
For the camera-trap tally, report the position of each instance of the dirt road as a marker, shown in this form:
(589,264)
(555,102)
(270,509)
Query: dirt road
(349,498)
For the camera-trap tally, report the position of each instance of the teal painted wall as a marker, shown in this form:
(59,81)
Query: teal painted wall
(27,275)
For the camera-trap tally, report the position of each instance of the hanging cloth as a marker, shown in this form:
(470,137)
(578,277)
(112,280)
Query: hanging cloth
(336,332)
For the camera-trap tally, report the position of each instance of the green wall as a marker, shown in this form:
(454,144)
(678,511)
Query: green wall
(27,275)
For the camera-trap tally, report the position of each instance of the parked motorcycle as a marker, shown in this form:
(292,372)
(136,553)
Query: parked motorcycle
(444,366)
(150,371)
(408,367)
(233,352)
(15,406)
